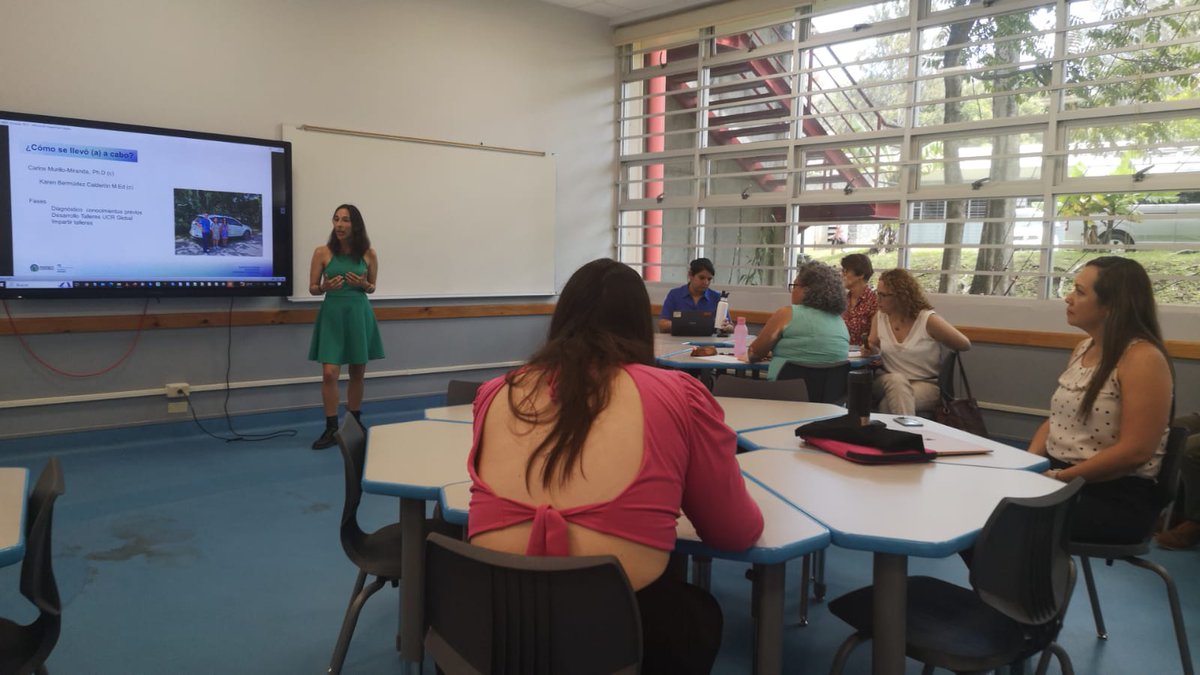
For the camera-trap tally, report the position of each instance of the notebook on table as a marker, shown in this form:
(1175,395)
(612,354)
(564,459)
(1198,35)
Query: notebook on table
(692,323)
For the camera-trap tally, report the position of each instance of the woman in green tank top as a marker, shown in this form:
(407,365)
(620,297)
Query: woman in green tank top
(811,329)
(345,332)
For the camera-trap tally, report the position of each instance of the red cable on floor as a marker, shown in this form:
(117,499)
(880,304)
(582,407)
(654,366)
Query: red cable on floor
(20,338)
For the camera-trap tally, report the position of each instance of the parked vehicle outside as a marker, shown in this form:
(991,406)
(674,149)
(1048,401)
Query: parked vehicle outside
(236,229)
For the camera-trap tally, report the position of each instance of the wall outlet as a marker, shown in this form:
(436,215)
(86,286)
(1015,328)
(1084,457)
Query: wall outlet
(178,390)
(174,407)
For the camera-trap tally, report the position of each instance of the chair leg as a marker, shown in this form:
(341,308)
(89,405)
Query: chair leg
(356,604)
(1185,655)
(805,562)
(1101,631)
(702,571)
(819,575)
(843,653)
(1064,660)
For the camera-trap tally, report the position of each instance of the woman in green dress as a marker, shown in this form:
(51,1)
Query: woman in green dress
(344,270)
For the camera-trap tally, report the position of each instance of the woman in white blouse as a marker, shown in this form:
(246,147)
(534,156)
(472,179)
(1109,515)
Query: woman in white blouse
(1109,415)
(911,340)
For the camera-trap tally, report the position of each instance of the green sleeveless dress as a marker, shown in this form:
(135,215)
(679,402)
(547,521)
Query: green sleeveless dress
(345,330)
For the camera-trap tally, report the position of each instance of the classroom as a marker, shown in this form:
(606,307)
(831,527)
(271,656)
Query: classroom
(175,551)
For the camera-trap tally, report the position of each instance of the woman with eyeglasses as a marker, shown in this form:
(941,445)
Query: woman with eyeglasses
(911,340)
(810,330)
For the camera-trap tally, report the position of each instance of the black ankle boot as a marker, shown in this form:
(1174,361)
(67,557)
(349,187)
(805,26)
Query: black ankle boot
(326,440)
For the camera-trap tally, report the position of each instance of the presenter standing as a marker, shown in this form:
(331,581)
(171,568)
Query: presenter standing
(344,271)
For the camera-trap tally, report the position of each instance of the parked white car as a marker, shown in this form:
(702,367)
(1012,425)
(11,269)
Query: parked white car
(237,230)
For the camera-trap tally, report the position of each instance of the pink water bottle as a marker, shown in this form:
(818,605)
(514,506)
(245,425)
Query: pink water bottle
(740,333)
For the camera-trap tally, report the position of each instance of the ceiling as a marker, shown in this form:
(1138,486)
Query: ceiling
(628,11)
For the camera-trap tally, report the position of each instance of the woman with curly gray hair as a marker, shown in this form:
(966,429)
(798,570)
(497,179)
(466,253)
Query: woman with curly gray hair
(810,330)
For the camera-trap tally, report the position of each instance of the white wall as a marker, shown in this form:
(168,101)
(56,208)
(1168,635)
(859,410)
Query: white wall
(515,73)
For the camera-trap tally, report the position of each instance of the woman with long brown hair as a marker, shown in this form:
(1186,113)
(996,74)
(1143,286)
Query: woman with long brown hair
(343,269)
(589,449)
(1109,415)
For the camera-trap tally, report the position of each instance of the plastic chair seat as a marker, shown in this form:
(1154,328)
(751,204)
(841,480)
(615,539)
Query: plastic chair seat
(378,554)
(18,644)
(948,626)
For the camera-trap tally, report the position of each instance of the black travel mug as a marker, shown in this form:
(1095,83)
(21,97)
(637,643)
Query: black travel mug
(858,402)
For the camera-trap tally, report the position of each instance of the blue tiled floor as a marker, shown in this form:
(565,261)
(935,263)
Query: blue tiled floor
(176,553)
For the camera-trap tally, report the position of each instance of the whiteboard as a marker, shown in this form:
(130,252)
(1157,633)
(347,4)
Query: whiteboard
(445,222)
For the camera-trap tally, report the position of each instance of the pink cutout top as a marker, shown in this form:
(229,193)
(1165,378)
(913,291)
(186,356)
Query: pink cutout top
(687,460)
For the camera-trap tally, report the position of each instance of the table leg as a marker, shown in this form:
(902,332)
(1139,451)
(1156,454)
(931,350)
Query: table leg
(412,570)
(891,599)
(767,592)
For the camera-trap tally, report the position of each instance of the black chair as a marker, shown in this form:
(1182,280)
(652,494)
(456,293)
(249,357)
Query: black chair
(1168,484)
(1021,581)
(24,648)
(461,392)
(499,613)
(747,387)
(376,553)
(826,382)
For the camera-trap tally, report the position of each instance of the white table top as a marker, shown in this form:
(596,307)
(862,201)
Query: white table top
(415,459)
(929,510)
(740,413)
(937,437)
(14,487)
(743,414)
(787,533)
(452,413)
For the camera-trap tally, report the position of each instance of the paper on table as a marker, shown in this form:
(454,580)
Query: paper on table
(721,358)
(856,353)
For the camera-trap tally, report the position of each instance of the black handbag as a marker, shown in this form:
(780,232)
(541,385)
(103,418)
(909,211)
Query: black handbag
(960,413)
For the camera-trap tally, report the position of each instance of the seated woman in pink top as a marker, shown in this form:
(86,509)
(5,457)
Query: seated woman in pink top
(589,450)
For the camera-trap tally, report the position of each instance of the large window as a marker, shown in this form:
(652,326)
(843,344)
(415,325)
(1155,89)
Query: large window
(991,148)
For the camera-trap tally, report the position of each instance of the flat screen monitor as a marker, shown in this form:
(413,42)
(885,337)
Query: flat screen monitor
(97,209)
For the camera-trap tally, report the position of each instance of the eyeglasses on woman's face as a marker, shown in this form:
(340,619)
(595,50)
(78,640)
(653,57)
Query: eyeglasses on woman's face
(884,294)
(793,285)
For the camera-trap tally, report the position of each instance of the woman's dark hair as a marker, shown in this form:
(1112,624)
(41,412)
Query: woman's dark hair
(602,321)
(1123,288)
(860,264)
(904,287)
(700,265)
(359,242)
(822,287)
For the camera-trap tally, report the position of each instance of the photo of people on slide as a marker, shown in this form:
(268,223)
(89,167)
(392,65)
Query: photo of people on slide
(208,222)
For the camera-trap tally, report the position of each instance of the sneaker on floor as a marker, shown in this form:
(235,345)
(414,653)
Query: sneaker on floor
(1184,535)
(326,440)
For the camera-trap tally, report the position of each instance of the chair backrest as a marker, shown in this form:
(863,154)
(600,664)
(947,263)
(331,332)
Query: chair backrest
(1020,565)
(460,392)
(352,441)
(492,612)
(946,371)
(37,572)
(747,387)
(1168,470)
(826,382)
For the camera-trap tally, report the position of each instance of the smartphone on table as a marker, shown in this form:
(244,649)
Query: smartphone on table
(909,421)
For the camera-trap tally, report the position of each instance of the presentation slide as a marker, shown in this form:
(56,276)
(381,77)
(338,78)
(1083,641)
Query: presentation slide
(100,205)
